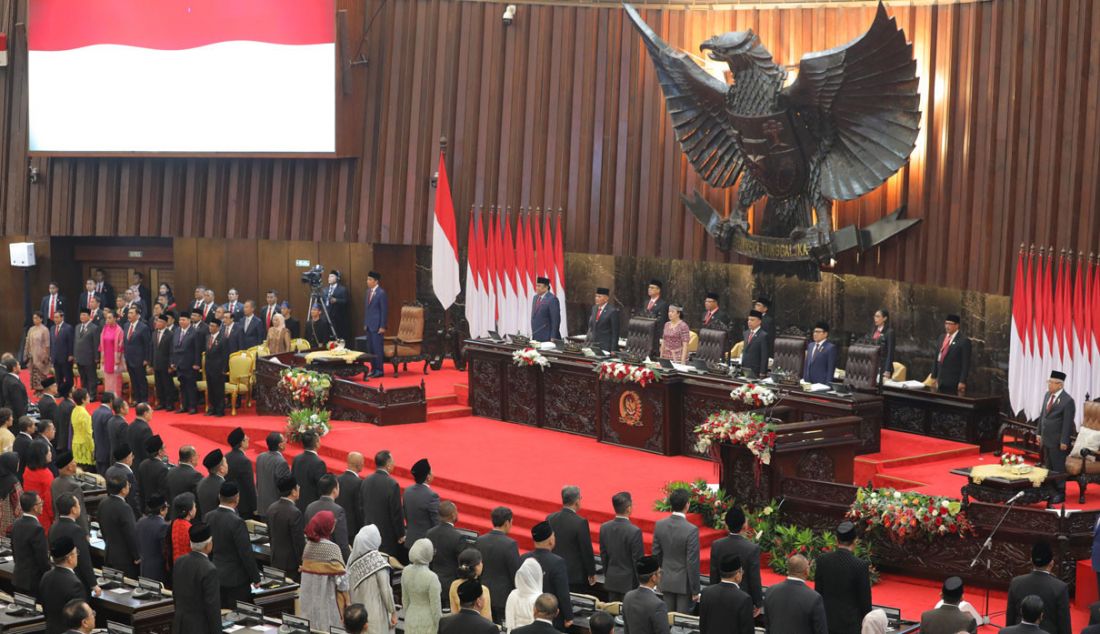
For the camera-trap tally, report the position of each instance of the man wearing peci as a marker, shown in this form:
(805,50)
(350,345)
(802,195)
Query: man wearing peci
(724,607)
(1055,427)
(746,550)
(376,307)
(754,354)
(820,363)
(603,323)
(216,367)
(642,610)
(86,351)
(844,583)
(952,362)
(545,312)
(655,306)
(186,361)
(167,394)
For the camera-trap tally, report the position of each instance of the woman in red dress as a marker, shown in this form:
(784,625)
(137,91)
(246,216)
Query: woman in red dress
(39,479)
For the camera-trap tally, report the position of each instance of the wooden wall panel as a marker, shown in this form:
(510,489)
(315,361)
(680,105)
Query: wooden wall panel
(562,109)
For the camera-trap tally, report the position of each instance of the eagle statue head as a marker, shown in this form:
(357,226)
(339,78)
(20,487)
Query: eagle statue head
(741,50)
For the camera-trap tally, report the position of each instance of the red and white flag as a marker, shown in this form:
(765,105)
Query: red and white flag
(182,75)
(1018,358)
(559,276)
(445,280)
(473,284)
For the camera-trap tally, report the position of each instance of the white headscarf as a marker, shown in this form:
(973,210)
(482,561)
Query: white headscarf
(875,622)
(520,609)
(365,558)
(367,539)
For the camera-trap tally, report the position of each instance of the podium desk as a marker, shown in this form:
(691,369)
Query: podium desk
(968,419)
(21,624)
(146,616)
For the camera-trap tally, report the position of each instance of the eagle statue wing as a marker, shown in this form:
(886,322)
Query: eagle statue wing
(697,105)
(862,99)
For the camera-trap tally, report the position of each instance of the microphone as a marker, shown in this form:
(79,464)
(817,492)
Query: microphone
(1015,497)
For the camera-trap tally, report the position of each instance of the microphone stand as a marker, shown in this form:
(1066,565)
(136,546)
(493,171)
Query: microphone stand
(986,546)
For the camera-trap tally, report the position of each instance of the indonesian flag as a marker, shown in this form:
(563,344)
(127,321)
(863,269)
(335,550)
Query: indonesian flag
(559,276)
(182,75)
(473,291)
(1018,341)
(444,242)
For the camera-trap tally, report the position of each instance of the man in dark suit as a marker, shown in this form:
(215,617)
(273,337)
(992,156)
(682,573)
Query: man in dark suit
(28,545)
(233,557)
(139,432)
(421,503)
(253,332)
(52,303)
(143,293)
(151,532)
(61,352)
(792,607)
(101,431)
(656,306)
(89,294)
(555,576)
(642,610)
(621,548)
(271,466)
(47,405)
(1031,615)
(676,547)
(376,305)
(285,527)
(24,428)
(1055,428)
(63,424)
(724,607)
(500,561)
(318,331)
(603,323)
(335,295)
(64,484)
(196,591)
(948,618)
(348,499)
(380,502)
(1041,582)
(60,584)
(167,394)
(468,619)
(233,307)
(573,541)
(767,322)
(209,488)
(546,610)
(240,472)
(290,322)
(820,357)
(186,361)
(119,528)
(329,487)
(713,315)
(13,391)
(86,351)
(152,473)
(232,332)
(754,354)
(122,468)
(308,469)
(746,550)
(217,366)
(268,312)
(951,364)
(545,312)
(45,433)
(844,583)
(67,526)
(103,287)
(448,544)
(117,427)
(138,353)
(184,477)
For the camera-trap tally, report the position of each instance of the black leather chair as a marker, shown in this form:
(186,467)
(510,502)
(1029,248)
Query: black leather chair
(643,337)
(713,345)
(789,355)
(862,370)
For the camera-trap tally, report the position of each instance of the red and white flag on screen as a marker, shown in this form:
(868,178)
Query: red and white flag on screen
(182,75)
(445,280)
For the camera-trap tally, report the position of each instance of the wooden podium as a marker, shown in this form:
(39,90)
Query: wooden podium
(641,418)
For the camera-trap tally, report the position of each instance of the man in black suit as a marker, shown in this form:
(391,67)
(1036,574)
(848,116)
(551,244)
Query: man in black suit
(233,307)
(948,618)
(754,354)
(844,583)
(1031,615)
(117,427)
(307,469)
(88,295)
(217,366)
(468,619)
(122,468)
(13,392)
(68,526)
(500,560)
(237,570)
(380,502)
(421,503)
(63,424)
(348,499)
(746,550)
(152,473)
(448,544)
(271,466)
(713,315)
(139,432)
(143,292)
(184,477)
(656,306)
(335,295)
(62,340)
(196,591)
(231,331)
(329,488)
(285,527)
(240,472)
(318,331)
(792,607)
(44,437)
(724,607)
(103,287)
(253,332)
(186,361)
(60,584)
(1041,582)
(101,433)
(167,394)
(951,364)
(119,528)
(270,309)
(28,545)
(137,351)
(546,610)
(52,303)
(209,488)
(767,322)
(1056,425)
(86,351)
(573,541)
(621,548)
(24,428)
(643,611)
(603,323)
(555,576)
(47,404)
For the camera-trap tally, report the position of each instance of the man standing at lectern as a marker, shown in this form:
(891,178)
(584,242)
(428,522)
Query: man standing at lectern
(545,312)
(1055,426)
(603,324)
(952,362)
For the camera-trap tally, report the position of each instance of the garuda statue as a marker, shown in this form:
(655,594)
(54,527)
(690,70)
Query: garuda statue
(846,124)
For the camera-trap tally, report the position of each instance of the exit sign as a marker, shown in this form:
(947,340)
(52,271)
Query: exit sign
(137,254)
(304,263)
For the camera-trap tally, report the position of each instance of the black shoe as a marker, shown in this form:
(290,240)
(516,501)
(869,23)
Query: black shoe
(377,374)
(180,410)
(192,412)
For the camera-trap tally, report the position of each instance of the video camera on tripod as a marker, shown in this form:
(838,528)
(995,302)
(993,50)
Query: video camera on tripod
(314,276)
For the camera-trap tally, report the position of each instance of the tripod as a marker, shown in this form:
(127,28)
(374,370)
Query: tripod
(315,296)
(987,545)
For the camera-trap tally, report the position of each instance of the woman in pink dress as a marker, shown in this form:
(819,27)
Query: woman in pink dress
(674,342)
(110,351)
(37,353)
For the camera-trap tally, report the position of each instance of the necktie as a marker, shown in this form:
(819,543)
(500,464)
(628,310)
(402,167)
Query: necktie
(90,298)
(57,331)
(180,340)
(53,305)
(213,338)
(99,287)
(270,310)
(706,320)
(599,313)
(130,334)
(83,329)
(1050,403)
(652,303)
(370,297)
(247,320)
(229,330)
(943,348)
(748,339)
(817,349)
(233,307)
(160,333)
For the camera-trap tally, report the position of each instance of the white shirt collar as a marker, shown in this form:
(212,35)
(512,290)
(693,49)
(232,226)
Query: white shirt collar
(1057,394)
(796,579)
(545,621)
(680,514)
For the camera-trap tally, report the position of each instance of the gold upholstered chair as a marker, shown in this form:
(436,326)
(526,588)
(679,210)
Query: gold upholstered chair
(1086,470)
(899,373)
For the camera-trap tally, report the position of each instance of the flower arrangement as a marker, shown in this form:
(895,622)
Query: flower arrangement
(529,357)
(790,540)
(902,515)
(711,504)
(626,373)
(760,524)
(1012,460)
(301,421)
(738,428)
(307,389)
(336,345)
(753,395)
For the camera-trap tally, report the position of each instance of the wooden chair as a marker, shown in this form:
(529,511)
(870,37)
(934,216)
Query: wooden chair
(241,378)
(1083,469)
(643,339)
(200,385)
(862,369)
(789,355)
(408,345)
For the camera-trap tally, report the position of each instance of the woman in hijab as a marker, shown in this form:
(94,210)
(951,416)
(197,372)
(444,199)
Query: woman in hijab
(278,337)
(10,490)
(369,581)
(420,590)
(520,609)
(324,593)
(875,622)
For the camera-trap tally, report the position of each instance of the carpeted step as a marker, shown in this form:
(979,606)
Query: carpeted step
(448,411)
(463,392)
(441,400)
